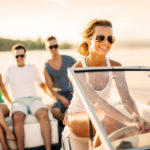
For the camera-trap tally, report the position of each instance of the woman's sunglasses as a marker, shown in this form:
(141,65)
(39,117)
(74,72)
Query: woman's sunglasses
(53,46)
(17,56)
(100,38)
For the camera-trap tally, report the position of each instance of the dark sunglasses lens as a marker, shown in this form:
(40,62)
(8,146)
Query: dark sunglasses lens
(22,56)
(53,46)
(110,39)
(100,38)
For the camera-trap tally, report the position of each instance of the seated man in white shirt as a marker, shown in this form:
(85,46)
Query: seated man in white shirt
(22,78)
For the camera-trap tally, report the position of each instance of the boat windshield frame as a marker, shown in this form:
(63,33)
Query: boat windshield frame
(86,102)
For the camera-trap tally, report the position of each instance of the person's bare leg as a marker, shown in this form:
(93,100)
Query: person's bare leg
(58,114)
(42,116)
(3,140)
(18,124)
(4,111)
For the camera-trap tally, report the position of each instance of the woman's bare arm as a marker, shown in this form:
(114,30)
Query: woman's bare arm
(108,109)
(4,91)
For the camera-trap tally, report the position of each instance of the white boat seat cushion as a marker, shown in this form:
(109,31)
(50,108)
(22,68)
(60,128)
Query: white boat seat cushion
(33,137)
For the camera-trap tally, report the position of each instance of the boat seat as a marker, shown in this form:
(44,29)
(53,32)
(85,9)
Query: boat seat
(33,137)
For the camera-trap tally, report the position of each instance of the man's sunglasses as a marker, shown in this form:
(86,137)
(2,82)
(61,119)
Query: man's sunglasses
(100,38)
(17,56)
(53,46)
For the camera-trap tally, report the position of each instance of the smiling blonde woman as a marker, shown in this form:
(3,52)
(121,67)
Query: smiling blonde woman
(98,39)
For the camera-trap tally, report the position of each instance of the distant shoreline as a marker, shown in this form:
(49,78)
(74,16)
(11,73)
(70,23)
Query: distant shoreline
(6,44)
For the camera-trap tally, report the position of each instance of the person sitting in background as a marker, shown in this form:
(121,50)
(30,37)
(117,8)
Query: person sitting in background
(22,78)
(4,112)
(55,73)
(98,39)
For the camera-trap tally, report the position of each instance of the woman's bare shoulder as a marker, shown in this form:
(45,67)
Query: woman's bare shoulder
(77,64)
(114,63)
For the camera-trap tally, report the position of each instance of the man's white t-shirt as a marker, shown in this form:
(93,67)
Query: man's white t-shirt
(22,80)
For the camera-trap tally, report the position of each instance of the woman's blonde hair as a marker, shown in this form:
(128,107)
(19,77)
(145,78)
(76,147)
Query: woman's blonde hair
(83,48)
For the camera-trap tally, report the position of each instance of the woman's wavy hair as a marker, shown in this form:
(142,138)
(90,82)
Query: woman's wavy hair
(83,48)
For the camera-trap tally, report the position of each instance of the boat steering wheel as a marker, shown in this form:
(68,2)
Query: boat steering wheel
(123,132)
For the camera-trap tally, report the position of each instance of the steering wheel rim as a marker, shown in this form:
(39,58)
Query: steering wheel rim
(121,132)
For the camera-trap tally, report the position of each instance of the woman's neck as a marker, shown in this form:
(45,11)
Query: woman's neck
(96,60)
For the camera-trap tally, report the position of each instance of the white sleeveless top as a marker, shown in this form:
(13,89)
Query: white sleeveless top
(76,104)
(104,93)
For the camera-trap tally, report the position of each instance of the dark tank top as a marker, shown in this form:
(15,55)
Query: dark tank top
(60,77)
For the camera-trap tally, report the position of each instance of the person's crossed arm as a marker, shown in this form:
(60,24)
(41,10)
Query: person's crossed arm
(54,94)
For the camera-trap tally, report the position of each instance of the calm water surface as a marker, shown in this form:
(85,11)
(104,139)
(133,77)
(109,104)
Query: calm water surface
(126,56)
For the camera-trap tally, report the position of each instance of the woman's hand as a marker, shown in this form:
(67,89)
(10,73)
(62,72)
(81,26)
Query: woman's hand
(142,125)
(65,119)
(138,122)
(147,127)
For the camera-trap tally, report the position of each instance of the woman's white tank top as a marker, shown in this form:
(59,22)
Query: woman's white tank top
(76,104)
(104,93)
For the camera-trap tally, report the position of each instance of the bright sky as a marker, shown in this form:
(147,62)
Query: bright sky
(66,19)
